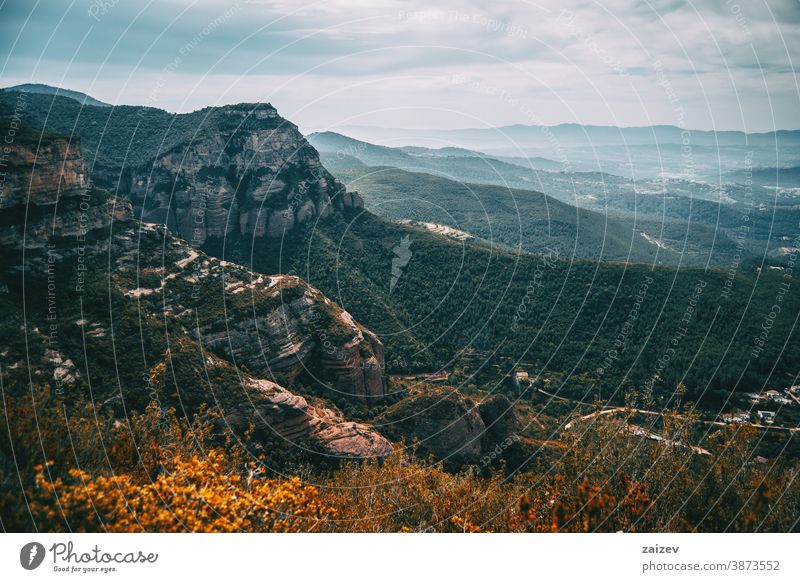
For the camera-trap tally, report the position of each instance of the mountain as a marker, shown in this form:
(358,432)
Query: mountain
(220,175)
(602,327)
(81,98)
(468,165)
(773,177)
(686,222)
(141,315)
(206,175)
(636,153)
(533,163)
(455,300)
(532,221)
(370,154)
(574,135)
(146,381)
(103,306)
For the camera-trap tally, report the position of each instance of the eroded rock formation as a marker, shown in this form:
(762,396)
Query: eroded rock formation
(450,426)
(38,173)
(247,172)
(230,333)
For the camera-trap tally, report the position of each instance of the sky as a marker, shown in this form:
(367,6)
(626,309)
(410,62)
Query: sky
(704,64)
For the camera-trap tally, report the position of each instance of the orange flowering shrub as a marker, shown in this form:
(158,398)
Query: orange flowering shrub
(196,495)
(72,466)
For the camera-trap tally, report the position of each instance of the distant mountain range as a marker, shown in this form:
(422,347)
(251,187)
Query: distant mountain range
(493,199)
(572,135)
(631,152)
(459,163)
(565,134)
(82,98)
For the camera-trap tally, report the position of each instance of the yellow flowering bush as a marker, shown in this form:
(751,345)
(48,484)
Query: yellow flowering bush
(196,495)
(72,467)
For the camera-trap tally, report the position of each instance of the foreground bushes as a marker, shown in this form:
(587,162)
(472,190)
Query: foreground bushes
(196,495)
(73,469)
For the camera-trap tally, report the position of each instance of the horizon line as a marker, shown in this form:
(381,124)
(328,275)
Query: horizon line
(389,128)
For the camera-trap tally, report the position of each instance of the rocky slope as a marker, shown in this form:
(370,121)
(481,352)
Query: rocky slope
(253,174)
(234,172)
(34,173)
(125,313)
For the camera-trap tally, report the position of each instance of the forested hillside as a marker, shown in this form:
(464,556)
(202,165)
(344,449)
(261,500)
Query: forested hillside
(627,328)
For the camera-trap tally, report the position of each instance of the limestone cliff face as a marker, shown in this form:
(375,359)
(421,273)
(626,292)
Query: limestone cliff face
(39,174)
(270,409)
(233,335)
(275,411)
(46,195)
(272,328)
(246,171)
(289,328)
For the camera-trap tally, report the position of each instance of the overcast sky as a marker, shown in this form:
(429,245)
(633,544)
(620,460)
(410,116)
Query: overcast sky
(445,64)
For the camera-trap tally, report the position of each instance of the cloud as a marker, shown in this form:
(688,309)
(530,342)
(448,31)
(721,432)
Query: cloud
(393,62)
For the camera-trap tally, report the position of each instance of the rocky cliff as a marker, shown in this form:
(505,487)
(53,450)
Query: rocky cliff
(37,173)
(46,196)
(104,289)
(231,172)
(251,402)
(245,171)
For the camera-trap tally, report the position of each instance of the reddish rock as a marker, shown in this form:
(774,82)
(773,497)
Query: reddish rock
(41,173)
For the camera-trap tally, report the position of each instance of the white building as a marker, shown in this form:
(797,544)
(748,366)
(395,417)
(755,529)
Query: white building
(736,417)
(766,416)
(778,398)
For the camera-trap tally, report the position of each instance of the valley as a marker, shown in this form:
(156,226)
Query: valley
(699,222)
(178,284)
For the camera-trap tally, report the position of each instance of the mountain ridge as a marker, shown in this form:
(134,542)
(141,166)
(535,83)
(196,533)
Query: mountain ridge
(116,277)
(44,89)
(467,295)
(237,171)
(737,137)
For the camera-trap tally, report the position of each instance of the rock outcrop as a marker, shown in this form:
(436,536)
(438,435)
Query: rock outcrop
(245,172)
(232,336)
(449,425)
(270,409)
(37,174)
(234,172)
(47,196)
(278,411)
(281,325)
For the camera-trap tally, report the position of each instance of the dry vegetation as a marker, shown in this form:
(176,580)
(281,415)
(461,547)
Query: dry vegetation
(74,469)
